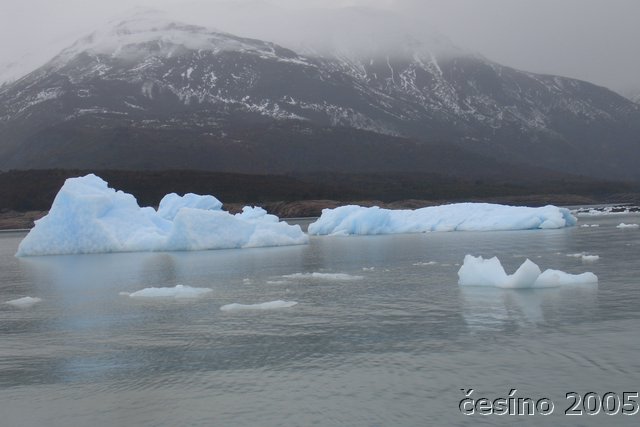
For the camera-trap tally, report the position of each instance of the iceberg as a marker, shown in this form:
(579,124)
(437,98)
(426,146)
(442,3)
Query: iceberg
(358,220)
(89,217)
(24,302)
(623,225)
(476,271)
(272,305)
(178,291)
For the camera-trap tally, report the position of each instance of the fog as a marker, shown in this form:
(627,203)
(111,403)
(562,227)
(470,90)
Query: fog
(593,40)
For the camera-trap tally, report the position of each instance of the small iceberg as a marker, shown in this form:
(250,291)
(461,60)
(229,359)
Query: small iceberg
(623,225)
(586,258)
(89,217)
(341,277)
(24,302)
(424,263)
(476,271)
(272,305)
(358,220)
(179,291)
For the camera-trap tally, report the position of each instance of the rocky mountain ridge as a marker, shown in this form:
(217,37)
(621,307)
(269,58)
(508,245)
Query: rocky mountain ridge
(145,85)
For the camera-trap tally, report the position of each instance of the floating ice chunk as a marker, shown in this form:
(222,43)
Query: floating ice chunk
(179,291)
(324,276)
(424,263)
(368,268)
(489,272)
(277,282)
(272,305)
(584,257)
(349,220)
(24,302)
(589,225)
(89,217)
(576,255)
(623,225)
(172,203)
(554,278)
(476,271)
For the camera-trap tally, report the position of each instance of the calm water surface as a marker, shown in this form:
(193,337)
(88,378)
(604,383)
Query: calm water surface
(391,349)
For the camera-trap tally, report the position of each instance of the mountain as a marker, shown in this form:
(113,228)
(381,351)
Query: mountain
(151,94)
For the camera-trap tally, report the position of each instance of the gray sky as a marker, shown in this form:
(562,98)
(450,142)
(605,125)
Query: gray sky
(594,40)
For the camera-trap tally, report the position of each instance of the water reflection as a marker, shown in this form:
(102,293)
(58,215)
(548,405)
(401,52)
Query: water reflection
(494,309)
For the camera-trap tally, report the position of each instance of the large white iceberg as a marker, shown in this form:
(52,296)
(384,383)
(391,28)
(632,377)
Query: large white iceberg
(476,271)
(89,217)
(347,220)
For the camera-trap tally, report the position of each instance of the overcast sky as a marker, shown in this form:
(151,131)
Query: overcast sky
(594,40)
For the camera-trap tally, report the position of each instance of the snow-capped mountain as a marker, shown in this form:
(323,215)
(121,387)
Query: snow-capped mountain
(150,93)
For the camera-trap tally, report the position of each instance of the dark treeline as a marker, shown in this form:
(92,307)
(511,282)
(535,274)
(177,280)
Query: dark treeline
(35,189)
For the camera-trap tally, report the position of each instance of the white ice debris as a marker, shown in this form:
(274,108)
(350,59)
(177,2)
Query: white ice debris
(623,225)
(589,225)
(178,291)
(424,263)
(272,305)
(324,276)
(606,210)
(348,220)
(477,271)
(24,302)
(89,217)
(585,257)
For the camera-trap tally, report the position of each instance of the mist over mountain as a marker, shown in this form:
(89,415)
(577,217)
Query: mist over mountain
(150,93)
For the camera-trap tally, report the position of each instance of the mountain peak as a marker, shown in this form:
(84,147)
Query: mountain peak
(150,31)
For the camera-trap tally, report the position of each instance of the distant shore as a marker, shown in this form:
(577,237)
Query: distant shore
(23,220)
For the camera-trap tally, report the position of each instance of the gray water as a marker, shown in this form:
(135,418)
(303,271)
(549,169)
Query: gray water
(391,349)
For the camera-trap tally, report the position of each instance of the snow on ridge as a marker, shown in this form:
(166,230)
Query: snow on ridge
(477,271)
(89,217)
(160,35)
(358,220)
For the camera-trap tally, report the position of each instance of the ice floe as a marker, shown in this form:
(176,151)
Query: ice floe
(623,225)
(358,220)
(178,291)
(272,305)
(89,217)
(477,271)
(24,302)
(586,258)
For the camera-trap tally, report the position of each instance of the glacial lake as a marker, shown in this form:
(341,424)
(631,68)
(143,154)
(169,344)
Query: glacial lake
(391,348)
